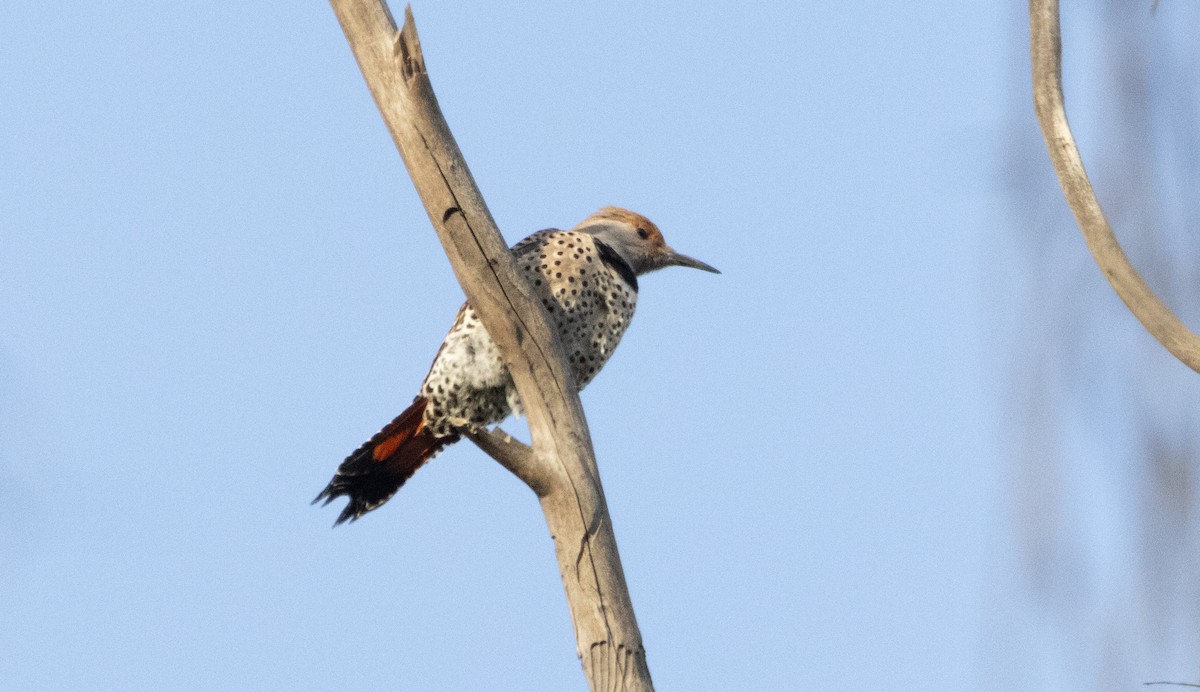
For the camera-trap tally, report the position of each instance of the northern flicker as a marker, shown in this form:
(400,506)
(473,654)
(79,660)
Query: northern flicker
(587,280)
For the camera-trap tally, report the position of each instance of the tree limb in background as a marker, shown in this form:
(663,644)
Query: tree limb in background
(561,466)
(1157,318)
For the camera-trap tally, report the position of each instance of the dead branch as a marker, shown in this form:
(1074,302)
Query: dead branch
(561,466)
(1157,318)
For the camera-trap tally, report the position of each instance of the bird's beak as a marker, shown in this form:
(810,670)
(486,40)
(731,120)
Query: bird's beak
(678,260)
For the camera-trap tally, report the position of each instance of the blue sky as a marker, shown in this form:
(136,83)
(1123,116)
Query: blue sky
(216,281)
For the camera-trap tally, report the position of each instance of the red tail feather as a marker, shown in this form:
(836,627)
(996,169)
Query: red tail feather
(375,471)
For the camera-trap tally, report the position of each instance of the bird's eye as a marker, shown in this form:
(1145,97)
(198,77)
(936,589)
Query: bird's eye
(643,233)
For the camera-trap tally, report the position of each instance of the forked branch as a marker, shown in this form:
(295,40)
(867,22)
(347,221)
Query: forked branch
(561,466)
(1157,318)
(514,455)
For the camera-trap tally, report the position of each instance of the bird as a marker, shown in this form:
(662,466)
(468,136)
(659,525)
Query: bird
(587,280)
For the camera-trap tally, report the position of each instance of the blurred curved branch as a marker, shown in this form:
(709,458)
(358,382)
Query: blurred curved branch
(1157,318)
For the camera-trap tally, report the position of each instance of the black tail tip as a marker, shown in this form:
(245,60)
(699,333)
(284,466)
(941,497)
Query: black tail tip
(351,512)
(358,504)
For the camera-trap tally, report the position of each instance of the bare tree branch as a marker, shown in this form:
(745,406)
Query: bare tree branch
(1157,318)
(561,467)
(516,456)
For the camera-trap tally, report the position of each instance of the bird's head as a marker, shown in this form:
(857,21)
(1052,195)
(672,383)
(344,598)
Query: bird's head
(637,240)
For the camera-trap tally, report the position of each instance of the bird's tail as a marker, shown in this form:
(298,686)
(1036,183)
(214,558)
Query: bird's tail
(376,470)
